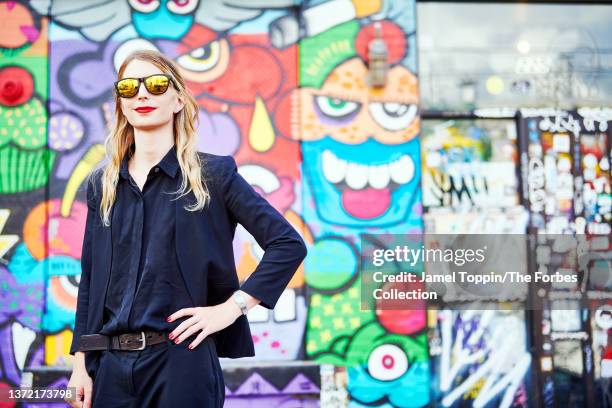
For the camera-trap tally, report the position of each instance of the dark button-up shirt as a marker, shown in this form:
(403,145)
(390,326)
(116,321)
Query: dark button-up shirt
(145,284)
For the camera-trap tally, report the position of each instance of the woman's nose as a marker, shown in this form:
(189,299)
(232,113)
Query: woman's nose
(142,91)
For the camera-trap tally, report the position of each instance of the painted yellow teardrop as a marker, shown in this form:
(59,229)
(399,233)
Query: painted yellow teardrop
(261,131)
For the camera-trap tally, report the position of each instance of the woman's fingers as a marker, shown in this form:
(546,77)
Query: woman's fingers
(187,328)
(187,311)
(198,339)
(74,403)
(83,390)
(192,329)
(182,327)
(88,394)
(87,401)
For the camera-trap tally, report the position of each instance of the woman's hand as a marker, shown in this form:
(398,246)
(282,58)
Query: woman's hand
(207,320)
(83,384)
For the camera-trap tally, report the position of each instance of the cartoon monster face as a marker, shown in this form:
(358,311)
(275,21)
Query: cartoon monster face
(361,155)
(384,367)
(169,19)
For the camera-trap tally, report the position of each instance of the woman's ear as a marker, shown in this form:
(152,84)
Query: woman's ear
(180,104)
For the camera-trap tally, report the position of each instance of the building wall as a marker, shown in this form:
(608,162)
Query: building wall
(336,157)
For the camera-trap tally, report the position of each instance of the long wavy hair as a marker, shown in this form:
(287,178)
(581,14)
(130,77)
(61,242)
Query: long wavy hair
(121,138)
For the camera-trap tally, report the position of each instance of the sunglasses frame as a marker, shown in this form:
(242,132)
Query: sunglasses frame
(142,80)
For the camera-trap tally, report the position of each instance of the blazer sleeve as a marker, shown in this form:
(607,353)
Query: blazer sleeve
(86,257)
(284,248)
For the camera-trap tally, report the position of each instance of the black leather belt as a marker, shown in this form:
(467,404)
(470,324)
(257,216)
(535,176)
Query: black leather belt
(126,341)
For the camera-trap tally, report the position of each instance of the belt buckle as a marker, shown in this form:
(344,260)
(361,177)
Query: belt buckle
(144,341)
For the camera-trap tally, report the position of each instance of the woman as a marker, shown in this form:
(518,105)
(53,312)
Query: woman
(159,300)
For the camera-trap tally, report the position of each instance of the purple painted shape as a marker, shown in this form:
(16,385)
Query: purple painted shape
(93,75)
(30,32)
(170,48)
(301,385)
(272,401)
(89,75)
(218,133)
(256,385)
(7,355)
(38,359)
(4,331)
(46,405)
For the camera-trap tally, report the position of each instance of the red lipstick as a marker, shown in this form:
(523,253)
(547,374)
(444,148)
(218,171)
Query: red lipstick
(144,109)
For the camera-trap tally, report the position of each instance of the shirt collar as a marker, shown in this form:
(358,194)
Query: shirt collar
(169,164)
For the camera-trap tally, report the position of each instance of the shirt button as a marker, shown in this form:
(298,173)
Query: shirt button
(156,169)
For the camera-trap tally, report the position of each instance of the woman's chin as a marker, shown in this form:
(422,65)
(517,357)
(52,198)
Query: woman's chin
(147,125)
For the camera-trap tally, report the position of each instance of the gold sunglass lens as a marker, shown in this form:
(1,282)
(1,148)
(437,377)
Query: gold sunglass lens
(157,84)
(127,87)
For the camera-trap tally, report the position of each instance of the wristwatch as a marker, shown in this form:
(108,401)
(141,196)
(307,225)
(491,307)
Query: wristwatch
(240,301)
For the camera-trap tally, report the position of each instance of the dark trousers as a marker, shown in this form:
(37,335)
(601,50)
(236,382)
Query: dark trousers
(162,375)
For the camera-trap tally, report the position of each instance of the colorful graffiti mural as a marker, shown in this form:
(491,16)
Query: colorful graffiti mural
(334,156)
(361,172)
(282,86)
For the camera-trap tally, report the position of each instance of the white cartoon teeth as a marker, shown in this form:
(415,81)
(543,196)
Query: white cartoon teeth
(358,176)
(334,168)
(378,176)
(402,170)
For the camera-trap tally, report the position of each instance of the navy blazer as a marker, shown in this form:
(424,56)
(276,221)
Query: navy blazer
(204,251)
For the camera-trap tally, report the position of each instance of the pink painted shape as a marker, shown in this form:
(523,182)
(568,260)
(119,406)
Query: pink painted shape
(30,32)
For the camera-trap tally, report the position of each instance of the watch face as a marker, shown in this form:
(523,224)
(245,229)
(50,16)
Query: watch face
(239,298)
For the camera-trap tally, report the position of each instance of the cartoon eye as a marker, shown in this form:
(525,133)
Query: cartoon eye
(201,59)
(393,116)
(70,284)
(144,6)
(63,289)
(387,362)
(335,107)
(182,6)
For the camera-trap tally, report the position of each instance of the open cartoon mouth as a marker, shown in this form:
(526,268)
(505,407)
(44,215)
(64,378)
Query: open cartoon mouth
(366,189)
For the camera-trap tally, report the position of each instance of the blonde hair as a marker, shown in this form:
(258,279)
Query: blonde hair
(121,138)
